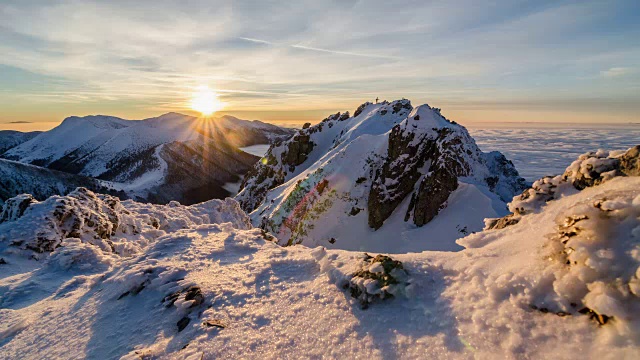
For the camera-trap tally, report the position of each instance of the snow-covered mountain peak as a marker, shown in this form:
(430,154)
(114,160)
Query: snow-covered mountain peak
(426,117)
(98,121)
(169,119)
(337,182)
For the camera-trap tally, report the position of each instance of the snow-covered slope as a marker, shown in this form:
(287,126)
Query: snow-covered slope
(390,178)
(10,138)
(170,157)
(88,276)
(17,178)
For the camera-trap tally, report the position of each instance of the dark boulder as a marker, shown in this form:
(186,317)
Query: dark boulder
(298,148)
(360,109)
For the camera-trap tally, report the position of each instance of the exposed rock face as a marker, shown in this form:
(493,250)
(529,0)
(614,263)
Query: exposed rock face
(409,151)
(501,223)
(630,162)
(431,196)
(299,148)
(360,109)
(365,167)
(426,156)
(590,169)
(504,179)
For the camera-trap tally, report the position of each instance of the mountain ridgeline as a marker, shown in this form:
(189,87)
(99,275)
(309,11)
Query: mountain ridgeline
(170,157)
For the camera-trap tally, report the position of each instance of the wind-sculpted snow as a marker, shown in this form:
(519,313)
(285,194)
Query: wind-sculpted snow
(390,168)
(122,228)
(561,282)
(583,260)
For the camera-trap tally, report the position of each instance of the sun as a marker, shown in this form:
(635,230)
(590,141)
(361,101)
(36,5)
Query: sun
(206,101)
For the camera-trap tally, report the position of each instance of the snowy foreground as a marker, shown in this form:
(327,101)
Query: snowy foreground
(88,276)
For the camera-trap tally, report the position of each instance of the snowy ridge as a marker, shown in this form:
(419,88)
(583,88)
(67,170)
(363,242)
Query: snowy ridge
(153,159)
(201,284)
(590,169)
(389,167)
(89,144)
(10,138)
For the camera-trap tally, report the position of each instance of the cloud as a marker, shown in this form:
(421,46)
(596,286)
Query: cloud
(615,72)
(311,48)
(343,52)
(308,53)
(20,122)
(256,40)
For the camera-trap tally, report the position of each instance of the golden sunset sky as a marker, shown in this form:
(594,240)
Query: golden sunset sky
(295,61)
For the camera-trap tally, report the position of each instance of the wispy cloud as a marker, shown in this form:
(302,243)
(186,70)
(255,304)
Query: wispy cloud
(310,54)
(311,48)
(616,72)
(337,52)
(256,40)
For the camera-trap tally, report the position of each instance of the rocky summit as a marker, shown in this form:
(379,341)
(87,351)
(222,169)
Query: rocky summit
(389,165)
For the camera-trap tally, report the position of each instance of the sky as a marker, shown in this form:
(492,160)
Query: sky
(297,61)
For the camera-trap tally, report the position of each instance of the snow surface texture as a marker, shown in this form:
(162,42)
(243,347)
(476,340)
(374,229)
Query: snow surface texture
(561,282)
(547,149)
(115,227)
(390,167)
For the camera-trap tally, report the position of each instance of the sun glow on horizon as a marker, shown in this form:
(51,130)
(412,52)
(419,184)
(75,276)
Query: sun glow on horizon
(206,101)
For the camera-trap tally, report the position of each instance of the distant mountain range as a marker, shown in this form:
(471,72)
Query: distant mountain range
(12,138)
(170,157)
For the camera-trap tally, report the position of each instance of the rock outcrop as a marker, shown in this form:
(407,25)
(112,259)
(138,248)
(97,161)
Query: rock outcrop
(299,148)
(426,155)
(379,278)
(103,221)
